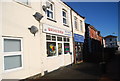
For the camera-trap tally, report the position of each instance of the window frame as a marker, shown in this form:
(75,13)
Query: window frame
(57,42)
(48,9)
(26,4)
(81,25)
(63,17)
(75,22)
(67,42)
(15,53)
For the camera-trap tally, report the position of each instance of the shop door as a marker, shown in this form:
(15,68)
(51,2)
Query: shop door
(78,48)
(60,53)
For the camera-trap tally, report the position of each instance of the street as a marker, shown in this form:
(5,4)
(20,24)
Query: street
(86,71)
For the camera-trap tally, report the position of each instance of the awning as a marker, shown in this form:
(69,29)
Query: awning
(78,38)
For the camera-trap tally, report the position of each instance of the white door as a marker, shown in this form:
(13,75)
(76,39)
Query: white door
(60,53)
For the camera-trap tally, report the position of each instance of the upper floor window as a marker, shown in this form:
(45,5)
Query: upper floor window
(50,11)
(75,22)
(110,39)
(64,14)
(23,1)
(81,26)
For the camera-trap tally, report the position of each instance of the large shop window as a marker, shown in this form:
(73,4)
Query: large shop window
(51,48)
(12,53)
(59,48)
(57,45)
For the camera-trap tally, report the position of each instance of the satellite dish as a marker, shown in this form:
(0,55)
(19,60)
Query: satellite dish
(33,30)
(47,6)
(38,16)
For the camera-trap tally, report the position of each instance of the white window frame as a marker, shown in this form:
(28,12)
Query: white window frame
(62,42)
(51,42)
(48,9)
(75,23)
(63,10)
(12,54)
(81,25)
(25,3)
(66,42)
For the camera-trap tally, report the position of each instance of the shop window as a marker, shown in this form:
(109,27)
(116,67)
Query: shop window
(59,48)
(68,40)
(66,48)
(12,53)
(48,37)
(53,38)
(51,49)
(64,39)
(59,38)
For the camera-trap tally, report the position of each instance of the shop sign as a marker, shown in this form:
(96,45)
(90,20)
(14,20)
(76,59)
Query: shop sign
(54,30)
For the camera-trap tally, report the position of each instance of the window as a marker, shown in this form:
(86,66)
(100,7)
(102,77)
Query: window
(50,11)
(110,39)
(59,38)
(66,48)
(64,14)
(53,38)
(59,48)
(23,1)
(75,22)
(66,45)
(81,26)
(12,53)
(51,48)
(57,45)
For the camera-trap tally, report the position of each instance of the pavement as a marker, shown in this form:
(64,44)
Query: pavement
(88,71)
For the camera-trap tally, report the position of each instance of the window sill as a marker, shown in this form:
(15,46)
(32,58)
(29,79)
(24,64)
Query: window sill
(66,25)
(52,20)
(15,69)
(27,5)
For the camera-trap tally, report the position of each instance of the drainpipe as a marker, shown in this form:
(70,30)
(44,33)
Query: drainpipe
(74,53)
(0,41)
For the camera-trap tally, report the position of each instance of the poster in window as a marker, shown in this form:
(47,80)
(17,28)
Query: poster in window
(51,48)
(66,48)
(59,48)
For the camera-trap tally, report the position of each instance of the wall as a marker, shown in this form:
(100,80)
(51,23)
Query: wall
(54,62)
(78,31)
(17,18)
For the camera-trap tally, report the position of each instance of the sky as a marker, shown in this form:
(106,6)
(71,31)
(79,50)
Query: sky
(102,15)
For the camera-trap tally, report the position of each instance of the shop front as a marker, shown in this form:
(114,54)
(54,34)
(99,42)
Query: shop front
(57,46)
(79,40)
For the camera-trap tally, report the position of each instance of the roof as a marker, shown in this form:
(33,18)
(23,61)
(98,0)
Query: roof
(73,10)
(110,36)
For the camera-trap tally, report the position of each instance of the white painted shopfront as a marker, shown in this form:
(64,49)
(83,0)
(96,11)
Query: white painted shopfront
(58,47)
